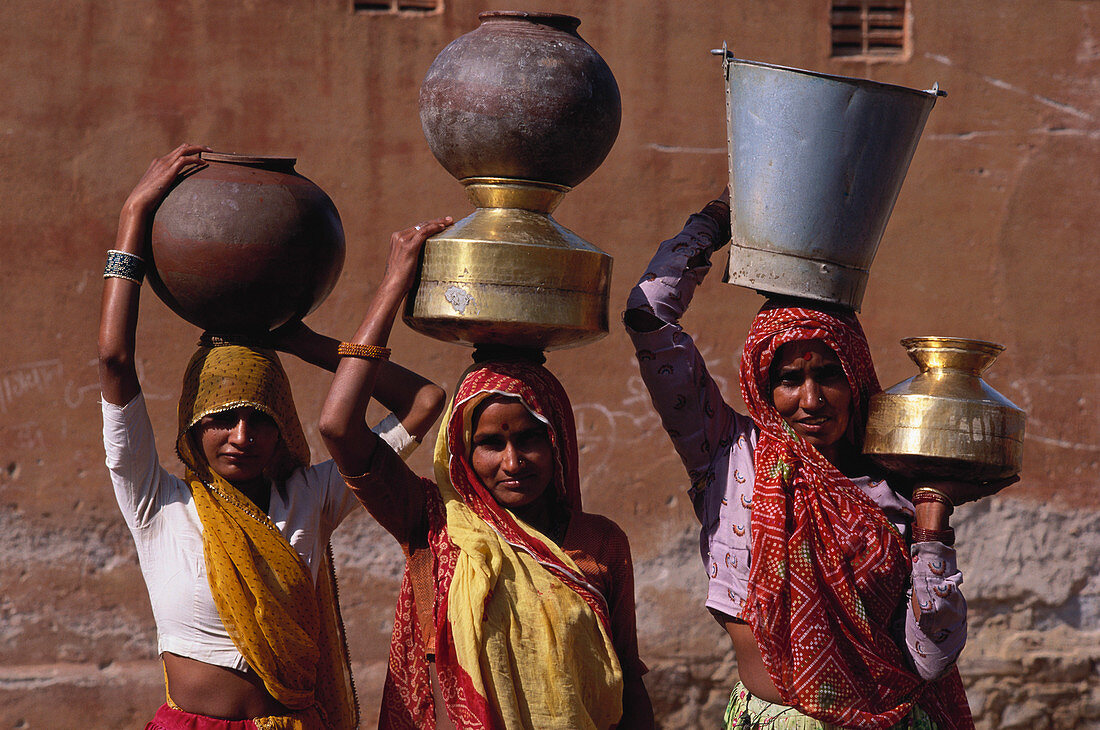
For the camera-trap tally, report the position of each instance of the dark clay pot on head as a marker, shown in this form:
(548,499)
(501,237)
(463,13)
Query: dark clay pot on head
(245,245)
(521,96)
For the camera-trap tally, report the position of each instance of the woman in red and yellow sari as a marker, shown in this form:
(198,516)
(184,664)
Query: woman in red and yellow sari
(517,607)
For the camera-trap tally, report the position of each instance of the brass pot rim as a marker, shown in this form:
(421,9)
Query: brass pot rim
(965,343)
(518,181)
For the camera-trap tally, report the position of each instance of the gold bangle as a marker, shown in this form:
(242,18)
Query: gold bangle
(368,352)
(933,490)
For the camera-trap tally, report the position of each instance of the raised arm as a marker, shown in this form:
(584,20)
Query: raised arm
(649,308)
(684,394)
(415,400)
(119,309)
(350,442)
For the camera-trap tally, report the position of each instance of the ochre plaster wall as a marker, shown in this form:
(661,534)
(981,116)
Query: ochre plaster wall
(993,237)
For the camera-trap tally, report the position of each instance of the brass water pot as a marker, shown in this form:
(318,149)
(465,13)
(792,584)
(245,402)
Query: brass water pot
(946,422)
(509,274)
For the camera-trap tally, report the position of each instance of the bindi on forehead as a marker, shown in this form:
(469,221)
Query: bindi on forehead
(499,414)
(802,355)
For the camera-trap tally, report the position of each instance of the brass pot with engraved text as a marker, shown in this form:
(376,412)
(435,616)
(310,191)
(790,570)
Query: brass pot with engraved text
(946,422)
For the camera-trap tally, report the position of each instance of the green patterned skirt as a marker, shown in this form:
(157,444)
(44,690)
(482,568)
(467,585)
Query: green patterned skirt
(746,712)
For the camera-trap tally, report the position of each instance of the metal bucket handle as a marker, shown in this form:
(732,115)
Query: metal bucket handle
(728,57)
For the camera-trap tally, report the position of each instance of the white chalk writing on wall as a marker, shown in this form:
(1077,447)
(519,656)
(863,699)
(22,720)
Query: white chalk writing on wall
(42,379)
(27,437)
(74,394)
(630,426)
(22,380)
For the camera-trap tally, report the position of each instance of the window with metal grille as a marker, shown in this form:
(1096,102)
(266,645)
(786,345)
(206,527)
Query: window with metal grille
(398,7)
(869,29)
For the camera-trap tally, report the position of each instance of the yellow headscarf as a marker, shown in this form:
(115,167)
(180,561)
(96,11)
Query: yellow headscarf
(288,629)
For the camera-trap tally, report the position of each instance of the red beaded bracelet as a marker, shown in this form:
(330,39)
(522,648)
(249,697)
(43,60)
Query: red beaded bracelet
(922,534)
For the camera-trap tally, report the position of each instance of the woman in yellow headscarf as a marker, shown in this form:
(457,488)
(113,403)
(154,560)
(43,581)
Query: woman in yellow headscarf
(236,555)
(516,609)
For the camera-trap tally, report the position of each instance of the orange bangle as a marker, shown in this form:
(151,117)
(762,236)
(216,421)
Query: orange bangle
(929,494)
(368,352)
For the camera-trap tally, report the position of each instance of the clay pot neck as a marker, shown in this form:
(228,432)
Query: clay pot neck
(265,162)
(951,353)
(558,21)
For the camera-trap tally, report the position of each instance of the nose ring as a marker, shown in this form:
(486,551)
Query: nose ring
(821,400)
(251,439)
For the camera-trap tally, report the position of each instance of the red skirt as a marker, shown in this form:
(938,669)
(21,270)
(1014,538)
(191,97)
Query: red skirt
(168,718)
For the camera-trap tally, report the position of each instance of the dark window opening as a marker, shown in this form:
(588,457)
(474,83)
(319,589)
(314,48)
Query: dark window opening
(398,7)
(869,29)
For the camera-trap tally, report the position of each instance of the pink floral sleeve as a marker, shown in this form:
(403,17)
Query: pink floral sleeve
(935,640)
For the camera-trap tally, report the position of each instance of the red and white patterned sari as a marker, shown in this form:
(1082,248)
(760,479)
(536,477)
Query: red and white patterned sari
(829,570)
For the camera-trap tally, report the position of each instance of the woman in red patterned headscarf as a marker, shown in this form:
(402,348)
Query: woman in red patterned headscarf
(825,554)
(840,595)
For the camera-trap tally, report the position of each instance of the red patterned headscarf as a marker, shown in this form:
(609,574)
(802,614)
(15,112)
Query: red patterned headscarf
(828,568)
(542,395)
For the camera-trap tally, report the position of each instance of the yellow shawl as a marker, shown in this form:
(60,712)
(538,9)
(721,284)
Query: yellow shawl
(288,629)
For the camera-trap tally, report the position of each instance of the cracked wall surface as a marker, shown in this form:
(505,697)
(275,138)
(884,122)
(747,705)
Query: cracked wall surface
(994,236)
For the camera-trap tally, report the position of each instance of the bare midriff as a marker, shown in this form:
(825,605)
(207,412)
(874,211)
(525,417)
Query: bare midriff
(442,722)
(750,665)
(227,694)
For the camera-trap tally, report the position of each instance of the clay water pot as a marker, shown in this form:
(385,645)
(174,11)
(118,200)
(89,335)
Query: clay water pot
(946,422)
(522,96)
(520,110)
(245,245)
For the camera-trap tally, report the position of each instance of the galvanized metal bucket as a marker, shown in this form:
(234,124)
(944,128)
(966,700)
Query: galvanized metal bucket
(816,163)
